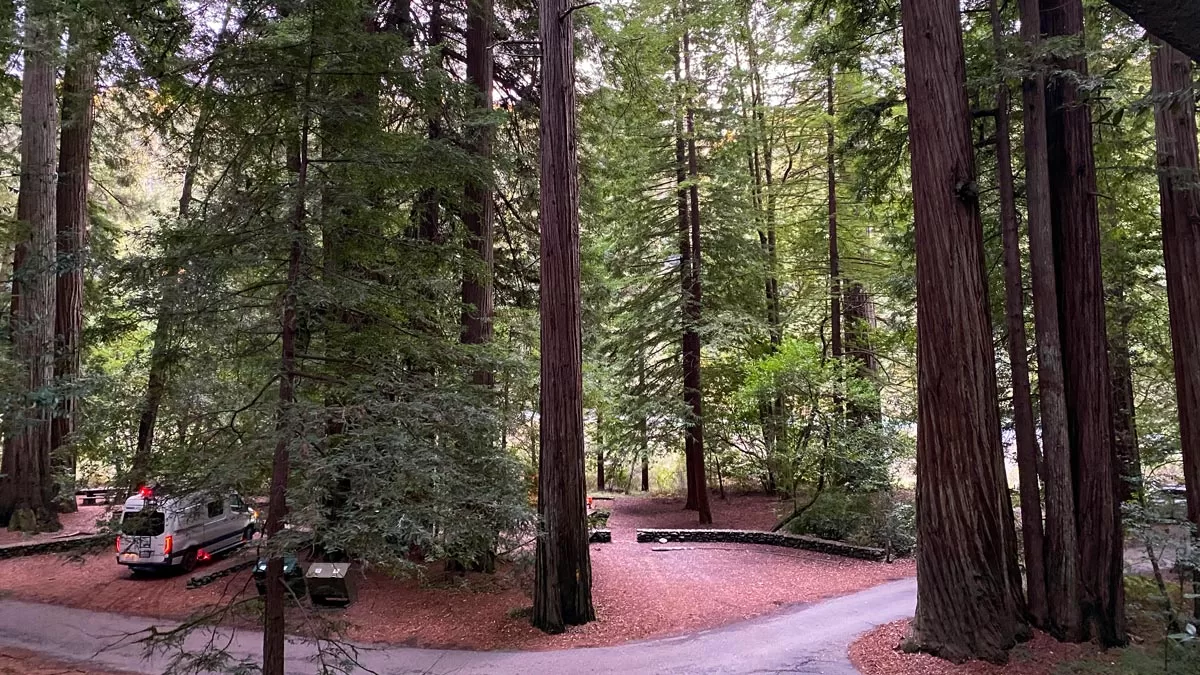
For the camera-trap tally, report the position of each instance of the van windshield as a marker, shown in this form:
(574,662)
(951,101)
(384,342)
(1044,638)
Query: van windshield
(143,523)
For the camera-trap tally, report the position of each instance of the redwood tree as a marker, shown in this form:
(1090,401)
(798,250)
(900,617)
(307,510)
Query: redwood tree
(563,578)
(1075,223)
(478,213)
(692,391)
(74,166)
(26,479)
(1014,305)
(1061,543)
(967,605)
(1178,172)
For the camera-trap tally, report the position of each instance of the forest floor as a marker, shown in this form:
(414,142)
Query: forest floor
(82,521)
(638,592)
(877,653)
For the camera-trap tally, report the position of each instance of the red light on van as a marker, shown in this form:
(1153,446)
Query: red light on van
(168,544)
(118,543)
(145,492)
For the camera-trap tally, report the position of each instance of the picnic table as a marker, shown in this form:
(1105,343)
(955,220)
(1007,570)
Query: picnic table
(100,495)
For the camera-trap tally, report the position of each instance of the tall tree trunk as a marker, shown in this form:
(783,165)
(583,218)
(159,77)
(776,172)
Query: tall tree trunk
(478,213)
(74,166)
(27,484)
(274,627)
(1014,303)
(967,606)
(1061,542)
(563,579)
(684,227)
(835,274)
(1125,439)
(1178,172)
(1076,227)
(691,336)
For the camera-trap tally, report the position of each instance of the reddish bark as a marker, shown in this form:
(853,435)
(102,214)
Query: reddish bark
(967,606)
(478,214)
(1061,543)
(1014,302)
(563,577)
(1088,388)
(1178,170)
(27,481)
(74,167)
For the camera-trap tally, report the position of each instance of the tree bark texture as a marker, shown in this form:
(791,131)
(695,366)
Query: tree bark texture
(1125,439)
(563,577)
(692,308)
(1061,541)
(478,213)
(1075,223)
(1014,305)
(967,606)
(74,167)
(27,486)
(1178,172)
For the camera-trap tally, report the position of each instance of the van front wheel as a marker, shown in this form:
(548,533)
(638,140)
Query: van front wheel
(189,560)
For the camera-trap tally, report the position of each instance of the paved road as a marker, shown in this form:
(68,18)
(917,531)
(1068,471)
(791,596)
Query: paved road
(807,640)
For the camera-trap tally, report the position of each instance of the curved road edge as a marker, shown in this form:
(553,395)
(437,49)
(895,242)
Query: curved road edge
(811,640)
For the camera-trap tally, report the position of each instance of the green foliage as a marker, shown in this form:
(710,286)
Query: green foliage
(879,519)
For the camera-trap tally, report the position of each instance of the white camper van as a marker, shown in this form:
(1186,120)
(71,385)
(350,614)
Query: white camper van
(179,531)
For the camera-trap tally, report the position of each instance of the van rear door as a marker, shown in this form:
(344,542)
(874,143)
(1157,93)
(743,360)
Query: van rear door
(138,532)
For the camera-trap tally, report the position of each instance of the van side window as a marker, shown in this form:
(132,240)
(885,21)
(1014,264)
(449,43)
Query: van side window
(215,509)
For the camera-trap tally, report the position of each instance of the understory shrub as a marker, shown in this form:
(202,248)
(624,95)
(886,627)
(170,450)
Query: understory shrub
(884,520)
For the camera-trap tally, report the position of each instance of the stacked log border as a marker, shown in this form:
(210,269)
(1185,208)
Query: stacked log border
(600,537)
(66,545)
(649,536)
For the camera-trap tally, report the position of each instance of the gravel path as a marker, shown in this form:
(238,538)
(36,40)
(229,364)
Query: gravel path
(808,640)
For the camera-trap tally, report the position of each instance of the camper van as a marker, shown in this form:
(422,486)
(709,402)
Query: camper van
(178,531)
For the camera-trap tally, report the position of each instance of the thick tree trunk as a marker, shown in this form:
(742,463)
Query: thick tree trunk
(478,214)
(563,580)
(27,485)
(1178,173)
(74,166)
(274,627)
(967,606)
(1076,226)
(691,336)
(1014,303)
(1061,542)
